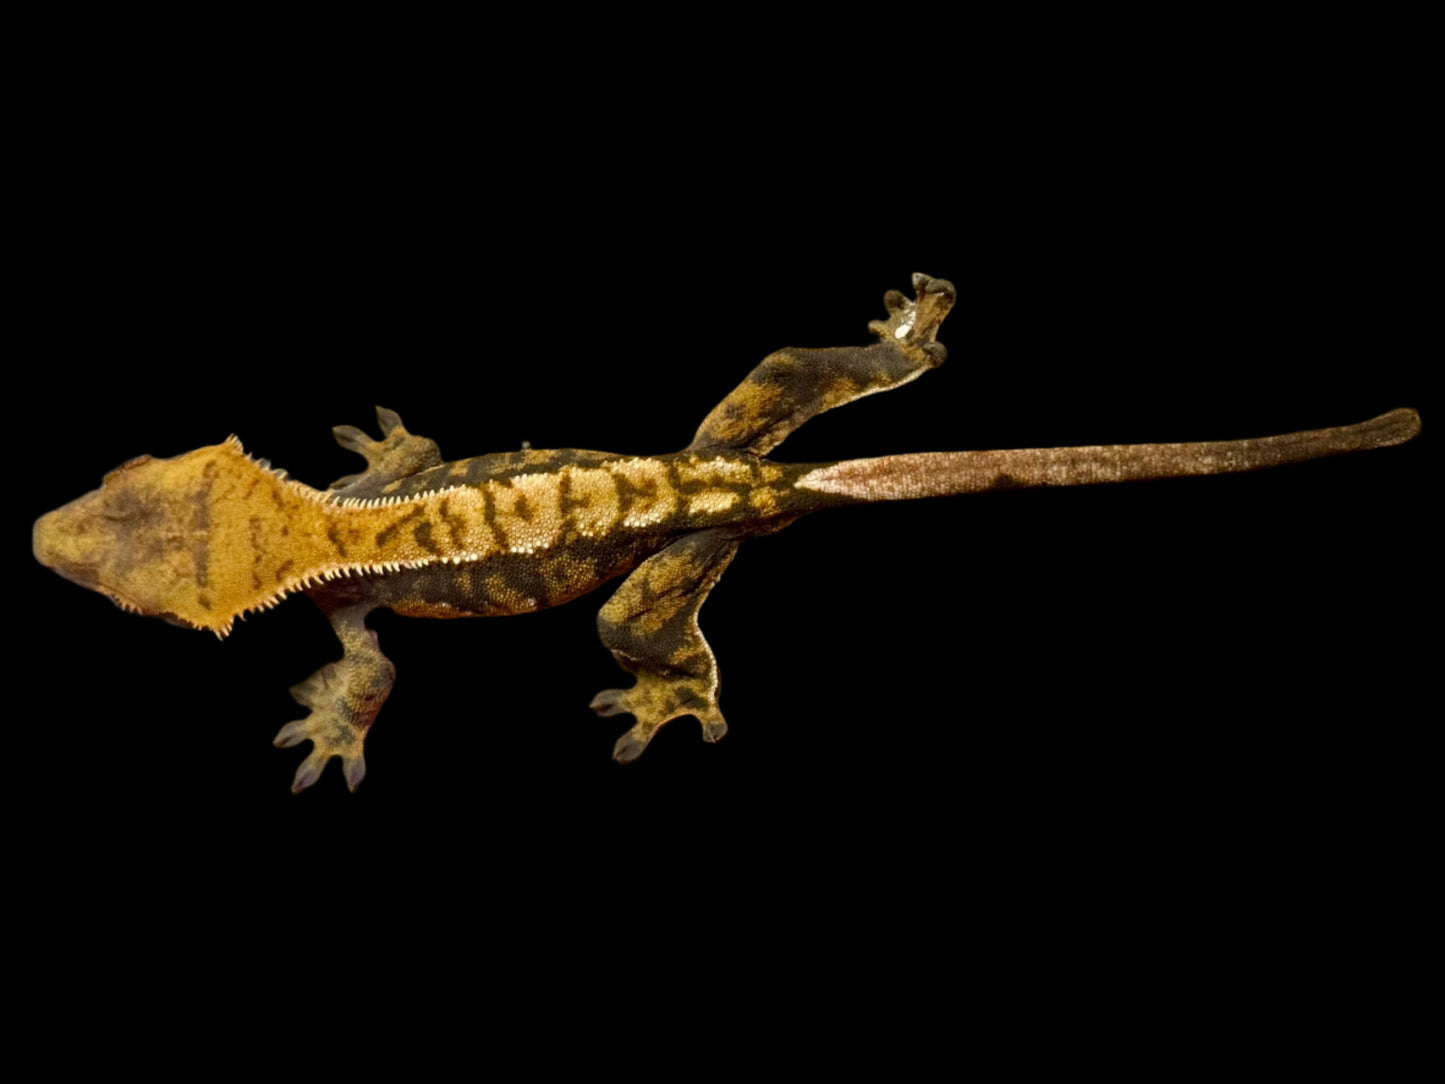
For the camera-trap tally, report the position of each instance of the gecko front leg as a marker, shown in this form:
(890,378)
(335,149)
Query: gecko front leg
(398,454)
(344,697)
(650,625)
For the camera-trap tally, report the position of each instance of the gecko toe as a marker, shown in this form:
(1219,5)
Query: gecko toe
(609,702)
(351,438)
(389,420)
(293,733)
(354,769)
(309,772)
(940,286)
(628,748)
(308,693)
(714,728)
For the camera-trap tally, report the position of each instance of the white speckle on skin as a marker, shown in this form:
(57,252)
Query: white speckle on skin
(711,502)
(902,330)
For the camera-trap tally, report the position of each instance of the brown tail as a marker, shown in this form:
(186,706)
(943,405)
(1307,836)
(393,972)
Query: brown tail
(941,474)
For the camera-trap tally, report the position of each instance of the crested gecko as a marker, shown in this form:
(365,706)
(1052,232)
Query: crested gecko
(204,538)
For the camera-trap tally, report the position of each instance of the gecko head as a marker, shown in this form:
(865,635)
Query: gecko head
(141,538)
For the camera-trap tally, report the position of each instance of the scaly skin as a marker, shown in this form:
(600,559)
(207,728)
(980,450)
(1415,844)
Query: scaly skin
(206,537)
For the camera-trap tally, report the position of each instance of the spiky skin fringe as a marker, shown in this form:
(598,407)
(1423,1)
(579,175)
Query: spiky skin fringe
(330,501)
(549,505)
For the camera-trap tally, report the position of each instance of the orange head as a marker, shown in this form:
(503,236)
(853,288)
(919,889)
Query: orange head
(171,537)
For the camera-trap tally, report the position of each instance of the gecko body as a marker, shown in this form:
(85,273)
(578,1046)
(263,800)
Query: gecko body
(206,537)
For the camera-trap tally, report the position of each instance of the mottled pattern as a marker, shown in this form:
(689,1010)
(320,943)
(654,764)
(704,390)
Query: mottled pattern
(344,697)
(205,537)
(650,625)
(791,386)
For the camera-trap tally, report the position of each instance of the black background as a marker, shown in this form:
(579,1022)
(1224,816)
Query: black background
(1094,682)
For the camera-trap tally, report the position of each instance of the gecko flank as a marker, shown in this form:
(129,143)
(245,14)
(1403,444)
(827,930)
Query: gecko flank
(206,537)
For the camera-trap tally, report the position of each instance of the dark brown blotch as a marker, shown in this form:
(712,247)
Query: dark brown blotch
(456,525)
(257,531)
(386,534)
(566,503)
(200,548)
(629,492)
(422,532)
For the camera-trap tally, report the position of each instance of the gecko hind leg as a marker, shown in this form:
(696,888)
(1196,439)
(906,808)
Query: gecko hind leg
(344,698)
(650,625)
(792,385)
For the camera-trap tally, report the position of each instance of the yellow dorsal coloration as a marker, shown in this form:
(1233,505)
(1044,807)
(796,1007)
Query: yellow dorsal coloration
(208,536)
(201,538)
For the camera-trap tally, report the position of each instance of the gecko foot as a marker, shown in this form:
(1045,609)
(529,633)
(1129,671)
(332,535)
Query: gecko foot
(915,323)
(398,454)
(344,698)
(653,710)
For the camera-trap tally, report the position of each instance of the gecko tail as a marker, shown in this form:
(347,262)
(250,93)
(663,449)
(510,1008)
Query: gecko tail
(941,474)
